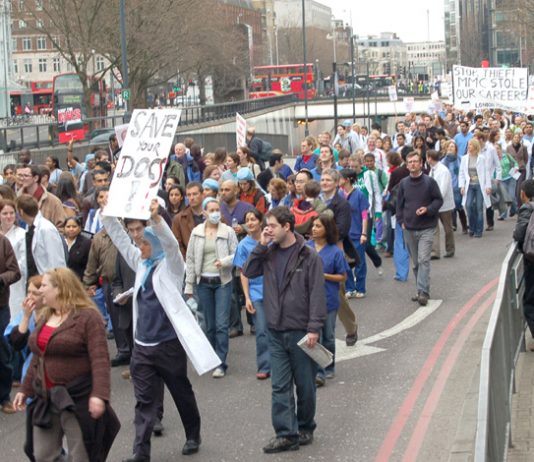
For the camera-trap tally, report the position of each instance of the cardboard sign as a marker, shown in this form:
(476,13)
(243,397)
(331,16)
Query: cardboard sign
(499,87)
(240,130)
(392,90)
(141,164)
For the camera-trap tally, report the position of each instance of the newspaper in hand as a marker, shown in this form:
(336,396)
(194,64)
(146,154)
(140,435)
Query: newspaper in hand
(318,353)
(123,296)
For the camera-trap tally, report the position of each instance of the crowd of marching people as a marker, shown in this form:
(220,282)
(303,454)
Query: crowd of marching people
(234,238)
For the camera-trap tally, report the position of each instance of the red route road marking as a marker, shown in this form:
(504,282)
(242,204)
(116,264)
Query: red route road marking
(407,406)
(432,400)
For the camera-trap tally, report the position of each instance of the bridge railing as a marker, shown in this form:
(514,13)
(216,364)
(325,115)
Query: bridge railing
(503,342)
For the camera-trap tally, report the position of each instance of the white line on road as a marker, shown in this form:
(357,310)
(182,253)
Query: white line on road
(343,352)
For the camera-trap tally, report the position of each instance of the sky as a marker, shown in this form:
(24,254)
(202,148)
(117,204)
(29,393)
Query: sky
(408,18)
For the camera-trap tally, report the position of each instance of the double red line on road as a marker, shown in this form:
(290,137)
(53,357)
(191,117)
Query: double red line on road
(408,405)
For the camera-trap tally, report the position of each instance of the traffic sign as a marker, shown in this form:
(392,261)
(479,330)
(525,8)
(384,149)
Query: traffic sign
(126,94)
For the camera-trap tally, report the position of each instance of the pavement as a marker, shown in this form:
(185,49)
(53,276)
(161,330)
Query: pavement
(407,390)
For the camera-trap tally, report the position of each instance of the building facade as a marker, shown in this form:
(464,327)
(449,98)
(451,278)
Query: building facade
(289,14)
(384,54)
(426,58)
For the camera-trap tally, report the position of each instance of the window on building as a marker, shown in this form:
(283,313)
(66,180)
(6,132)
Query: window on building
(14,44)
(15,66)
(41,43)
(21,5)
(99,63)
(69,66)
(39,5)
(42,65)
(56,63)
(39,23)
(28,66)
(22,24)
(26,43)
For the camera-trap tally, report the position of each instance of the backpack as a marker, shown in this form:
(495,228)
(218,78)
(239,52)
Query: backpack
(266,150)
(528,243)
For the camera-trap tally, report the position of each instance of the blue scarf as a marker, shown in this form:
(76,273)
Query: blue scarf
(157,253)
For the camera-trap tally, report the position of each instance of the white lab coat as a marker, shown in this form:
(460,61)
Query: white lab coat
(17,291)
(493,162)
(483,177)
(48,248)
(442,176)
(167,280)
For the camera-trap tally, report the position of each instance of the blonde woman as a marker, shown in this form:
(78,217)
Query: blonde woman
(69,375)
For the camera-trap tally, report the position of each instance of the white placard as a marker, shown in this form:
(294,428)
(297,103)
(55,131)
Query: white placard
(495,87)
(142,161)
(120,133)
(408,103)
(240,130)
(392,90)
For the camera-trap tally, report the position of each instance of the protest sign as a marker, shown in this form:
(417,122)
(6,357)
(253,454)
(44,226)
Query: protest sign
(141,164)
(120,133)
(69,124)
(240,130)
(392,91)
(408,103)
(490,87)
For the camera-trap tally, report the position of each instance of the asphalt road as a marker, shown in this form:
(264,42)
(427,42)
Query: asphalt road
(369,411)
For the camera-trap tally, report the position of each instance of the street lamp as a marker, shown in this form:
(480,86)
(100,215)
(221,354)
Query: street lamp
(306,129)
(124,60)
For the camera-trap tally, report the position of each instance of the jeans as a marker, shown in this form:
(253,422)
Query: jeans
(100,301)
(6,371)
(475,209)
(401,257)
(419,243)
(214,304)
(328,340)
(509,186)
(361,268)
(290,368)
(263,357)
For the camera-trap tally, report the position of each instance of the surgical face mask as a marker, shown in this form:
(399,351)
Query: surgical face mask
(214,217)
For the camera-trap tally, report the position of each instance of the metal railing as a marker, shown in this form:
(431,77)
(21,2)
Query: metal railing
(503,342)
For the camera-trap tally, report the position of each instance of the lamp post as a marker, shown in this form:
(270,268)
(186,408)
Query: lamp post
(124,60)
(352,76)
(306,129)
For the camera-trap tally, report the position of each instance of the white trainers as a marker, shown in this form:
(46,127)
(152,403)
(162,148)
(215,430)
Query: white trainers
(218,373)
(350,294)
(359,295)
(380,271)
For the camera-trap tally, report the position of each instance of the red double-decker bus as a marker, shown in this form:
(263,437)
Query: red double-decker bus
(283,80)
(42,96)
(69,106)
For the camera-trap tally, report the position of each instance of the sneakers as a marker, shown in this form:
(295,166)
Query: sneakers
(350,294)
(359,294)
(380,270)
(158,428)
(305,438)
(423,299)
(218,373)
(281,444)
(319,381)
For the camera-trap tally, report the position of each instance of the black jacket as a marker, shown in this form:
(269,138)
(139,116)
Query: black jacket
(341,209)
(78,255)
(124,280)
(523,217)
(301,303)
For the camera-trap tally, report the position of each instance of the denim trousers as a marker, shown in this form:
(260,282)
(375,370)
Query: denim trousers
(475,209)
(419,243)
(263,357)
(361,268)
(328,340)
(401,257)
(6,371)
(291,370)
(510,186)
(100,301)
(214,304)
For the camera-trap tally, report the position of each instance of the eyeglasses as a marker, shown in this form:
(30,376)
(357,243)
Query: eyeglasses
(24,175)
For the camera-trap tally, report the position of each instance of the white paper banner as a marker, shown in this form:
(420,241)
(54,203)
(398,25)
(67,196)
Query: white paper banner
(490,87)
(240,130)
(392,93)
(120,133)
(142,161)
(408,103)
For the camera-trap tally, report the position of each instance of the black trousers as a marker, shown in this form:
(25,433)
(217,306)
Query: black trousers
(369,249)
(528,296)
(121,335)
(149,366)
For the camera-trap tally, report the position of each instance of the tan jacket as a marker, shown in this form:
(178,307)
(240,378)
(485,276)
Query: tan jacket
(101,260)
(51,208)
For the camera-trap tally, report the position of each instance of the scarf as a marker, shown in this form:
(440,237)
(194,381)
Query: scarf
(157,254)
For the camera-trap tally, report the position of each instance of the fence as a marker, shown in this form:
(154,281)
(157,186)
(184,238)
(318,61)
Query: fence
(502,345)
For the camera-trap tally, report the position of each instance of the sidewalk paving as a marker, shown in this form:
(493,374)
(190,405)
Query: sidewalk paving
(522,449)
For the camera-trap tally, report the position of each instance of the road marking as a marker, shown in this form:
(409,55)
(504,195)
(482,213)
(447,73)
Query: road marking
(419,432)
(406,409)
(343,352)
